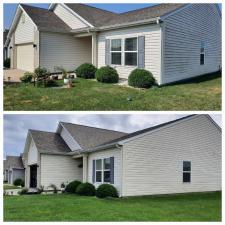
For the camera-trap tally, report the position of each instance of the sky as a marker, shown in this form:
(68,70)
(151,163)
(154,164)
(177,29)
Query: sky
(9,9)
(16,126)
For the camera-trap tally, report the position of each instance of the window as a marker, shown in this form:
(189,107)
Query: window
(186,171)
(103,170)
(116,52)
(130,51)
(202,53)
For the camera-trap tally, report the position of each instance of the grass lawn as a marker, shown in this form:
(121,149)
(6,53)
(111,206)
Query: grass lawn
(9,186)
(203,93)
(63,207)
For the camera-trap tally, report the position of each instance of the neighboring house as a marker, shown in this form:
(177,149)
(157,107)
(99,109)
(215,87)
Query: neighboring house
(13,169)
(6,51)
(180,156)
(173,41)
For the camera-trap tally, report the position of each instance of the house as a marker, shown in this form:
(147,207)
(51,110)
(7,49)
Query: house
(173,41)
(13,169)
(179,156)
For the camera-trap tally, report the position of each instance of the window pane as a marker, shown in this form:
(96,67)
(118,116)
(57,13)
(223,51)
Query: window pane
(116,45)
(98,176)
(116,58)
(99,164)
(202,59)
(186,166)
(107,176)
(131,44)
(186,177)
(107,164)
(131,59)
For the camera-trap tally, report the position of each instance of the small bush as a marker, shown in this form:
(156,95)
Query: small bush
(40,189)
(106,190)
(141,78)
(86,71)
(86,189)
(51,83)
(18,182)
(72,186)
(7,63)
(54,187)
(23,191)
(107,74)
(27,77)
(41,76)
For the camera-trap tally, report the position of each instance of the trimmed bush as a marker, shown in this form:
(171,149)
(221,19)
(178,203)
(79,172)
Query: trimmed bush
(7,63)
(141,78)
(72,186)
(23,191)
(54,187)
(18,182)
(86,71)
(86,189)
(107,74)
(27,77)
(106,190)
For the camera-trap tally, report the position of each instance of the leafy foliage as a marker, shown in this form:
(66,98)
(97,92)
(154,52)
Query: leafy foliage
(7,63)
(19,182)
(27,77)
(107,74)
(86,189)
(72,186)
(86,71)
(106,190)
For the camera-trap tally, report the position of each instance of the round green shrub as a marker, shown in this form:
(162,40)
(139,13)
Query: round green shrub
(18,182)
(72,186)
(106,190)
(7,63)
(107,74)
(86,71)
(141,78)
(27,77)
(86,189)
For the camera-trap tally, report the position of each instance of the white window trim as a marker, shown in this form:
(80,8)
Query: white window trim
(136,51)
(186,172)
(102,171)
(123,51)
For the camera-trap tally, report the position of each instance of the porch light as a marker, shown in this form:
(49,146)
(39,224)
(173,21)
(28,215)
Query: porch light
(34,45)
(10,47)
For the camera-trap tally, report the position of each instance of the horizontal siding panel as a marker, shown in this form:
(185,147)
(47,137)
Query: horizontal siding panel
(153,164)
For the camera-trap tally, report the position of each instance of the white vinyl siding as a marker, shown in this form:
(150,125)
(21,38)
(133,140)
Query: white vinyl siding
(24,32)
(25,57)
(64,50)
(116,153)
(184,32)
(152,35)
(56,169)
(68,17)
(18,174)
(32,154)
(153,163)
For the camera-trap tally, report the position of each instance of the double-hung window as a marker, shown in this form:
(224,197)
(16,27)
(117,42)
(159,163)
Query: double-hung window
(130,51)
(116,51)
(186,171)
(102,171)
(202,53)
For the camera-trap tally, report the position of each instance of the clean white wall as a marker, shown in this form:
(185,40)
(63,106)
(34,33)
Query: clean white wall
(152,35)
(153,164)
(32,154)
(68,17)
(24,32)
(116,153)
(56,169)
(63,50)
(183,34)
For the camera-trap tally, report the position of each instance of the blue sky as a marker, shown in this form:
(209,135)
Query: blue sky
(16,126)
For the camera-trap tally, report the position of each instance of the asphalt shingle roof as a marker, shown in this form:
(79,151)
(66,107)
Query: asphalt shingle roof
(89,137)
(46,20)
(49,142)
(14,162)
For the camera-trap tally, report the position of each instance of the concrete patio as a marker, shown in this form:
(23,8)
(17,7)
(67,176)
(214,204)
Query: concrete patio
(12,75)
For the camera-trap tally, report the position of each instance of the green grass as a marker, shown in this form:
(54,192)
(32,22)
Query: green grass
(63,207)
(9,186)
(203,93)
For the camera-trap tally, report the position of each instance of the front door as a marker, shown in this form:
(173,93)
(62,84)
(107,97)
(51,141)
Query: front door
(33,176)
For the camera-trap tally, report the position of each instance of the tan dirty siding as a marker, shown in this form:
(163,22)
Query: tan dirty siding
(153,163)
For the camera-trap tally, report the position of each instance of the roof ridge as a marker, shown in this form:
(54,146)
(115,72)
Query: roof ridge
(43,131)
(31,6)
(93,127)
